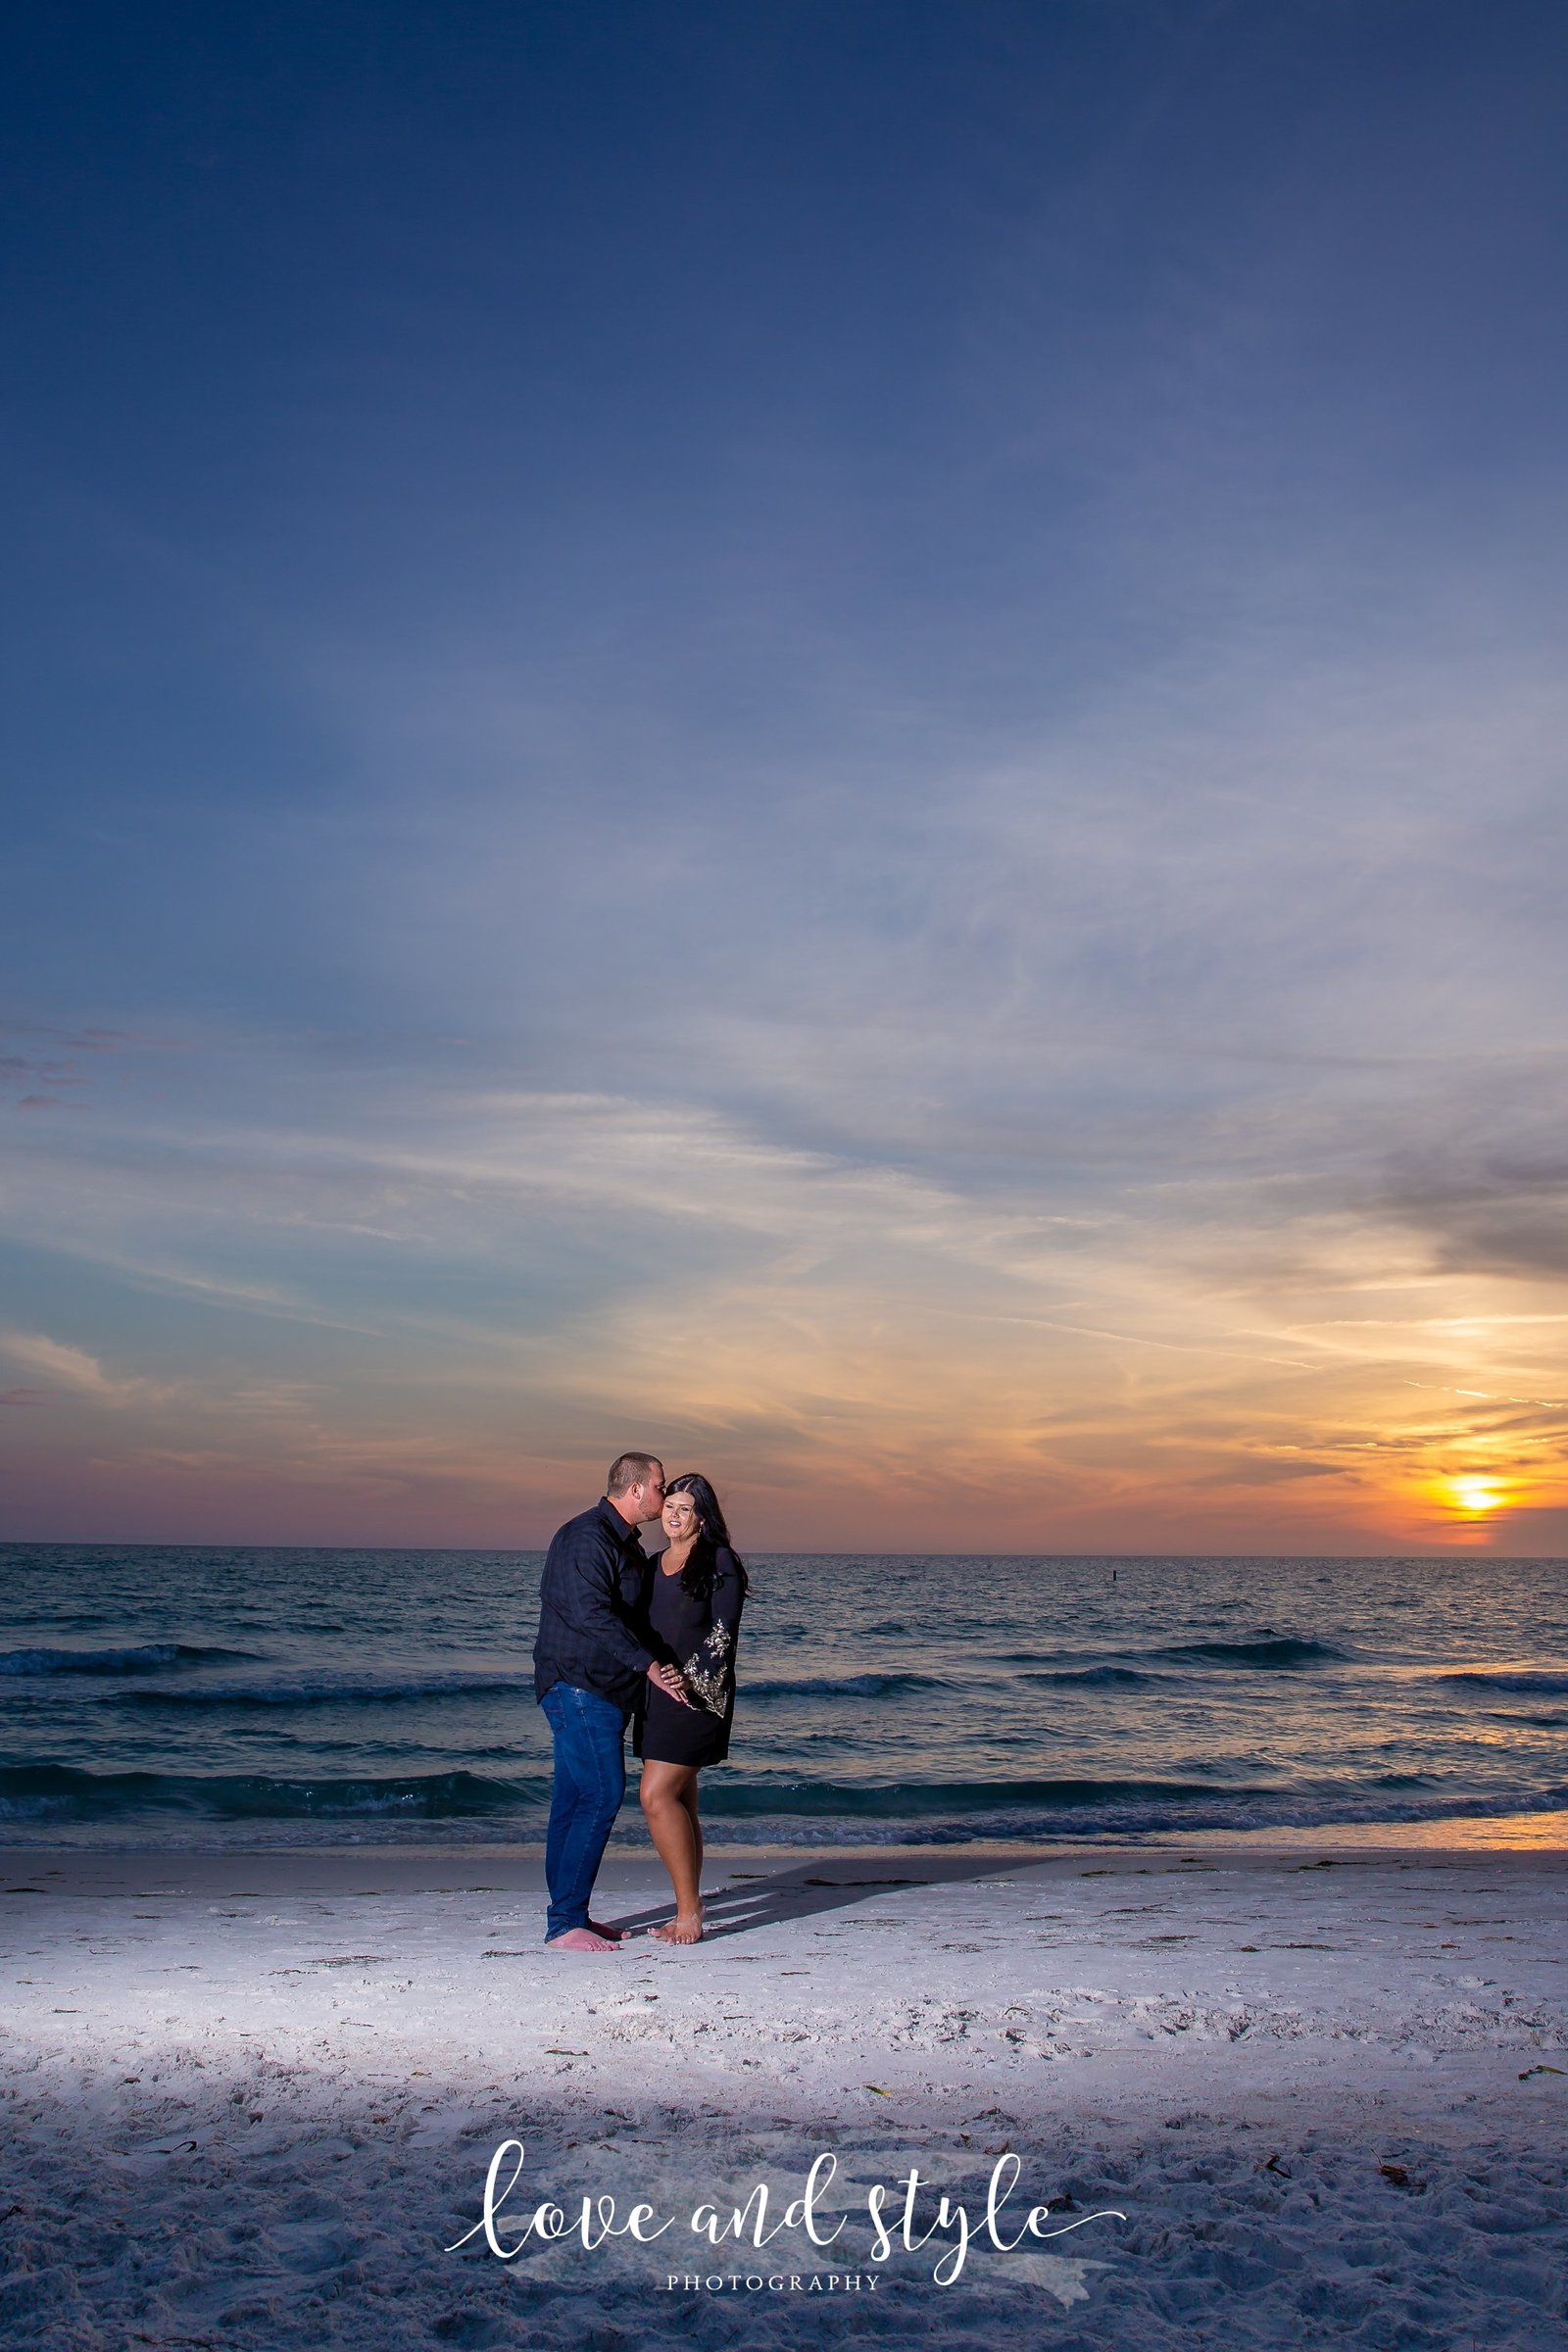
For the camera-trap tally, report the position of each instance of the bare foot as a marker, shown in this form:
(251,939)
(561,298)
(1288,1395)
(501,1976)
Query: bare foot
(580,1940)
(597,1926)
(685,1928)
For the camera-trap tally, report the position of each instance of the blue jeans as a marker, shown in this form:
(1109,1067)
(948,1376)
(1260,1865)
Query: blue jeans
(590,1780)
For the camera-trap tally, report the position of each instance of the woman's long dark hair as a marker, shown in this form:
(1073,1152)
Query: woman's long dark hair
(696,1577)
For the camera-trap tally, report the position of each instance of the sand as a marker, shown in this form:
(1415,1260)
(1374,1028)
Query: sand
(252,2100)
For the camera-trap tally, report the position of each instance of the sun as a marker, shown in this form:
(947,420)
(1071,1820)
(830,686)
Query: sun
(1475,1495)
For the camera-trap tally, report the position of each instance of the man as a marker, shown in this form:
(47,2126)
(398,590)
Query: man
(587,1663)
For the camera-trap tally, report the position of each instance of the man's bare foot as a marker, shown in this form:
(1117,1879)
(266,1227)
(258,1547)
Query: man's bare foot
(685,1928)
(597,1926)
(581,1940)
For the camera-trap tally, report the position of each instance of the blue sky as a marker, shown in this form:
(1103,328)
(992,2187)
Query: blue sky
(829,736)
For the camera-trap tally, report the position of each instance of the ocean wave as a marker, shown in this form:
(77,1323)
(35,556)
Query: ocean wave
(52,1800)
(846,1685)
(913,1800)
(328,1689)
(144,1657)
(1270,1654)
(1073,1811)
(1098,1678)
(64,1792)
(1519,1682)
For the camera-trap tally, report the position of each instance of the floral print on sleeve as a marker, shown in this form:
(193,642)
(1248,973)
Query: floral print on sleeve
(709,1671)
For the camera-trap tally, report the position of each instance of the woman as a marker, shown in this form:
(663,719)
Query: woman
(690,1614)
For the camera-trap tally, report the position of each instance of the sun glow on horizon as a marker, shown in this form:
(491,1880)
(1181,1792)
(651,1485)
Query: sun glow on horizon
(1476,1496)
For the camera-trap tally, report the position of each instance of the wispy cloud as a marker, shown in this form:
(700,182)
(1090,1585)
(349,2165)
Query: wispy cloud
(67,1367)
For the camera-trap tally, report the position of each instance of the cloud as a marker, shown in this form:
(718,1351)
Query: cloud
(443,1265)
(70,1368)
(41,1073)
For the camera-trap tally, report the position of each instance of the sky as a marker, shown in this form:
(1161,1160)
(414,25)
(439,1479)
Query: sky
(829,737)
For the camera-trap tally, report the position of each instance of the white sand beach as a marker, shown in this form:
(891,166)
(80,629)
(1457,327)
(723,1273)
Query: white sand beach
(252,2100)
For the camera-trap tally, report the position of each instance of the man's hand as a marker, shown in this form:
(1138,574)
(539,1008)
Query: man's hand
(669,1680)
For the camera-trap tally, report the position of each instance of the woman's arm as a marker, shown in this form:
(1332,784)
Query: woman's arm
(709,1671)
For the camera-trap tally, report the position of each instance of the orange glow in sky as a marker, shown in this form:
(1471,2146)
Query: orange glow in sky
(1475,1494)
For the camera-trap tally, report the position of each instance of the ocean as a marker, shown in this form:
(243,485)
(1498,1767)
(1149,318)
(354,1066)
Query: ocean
(213,1697)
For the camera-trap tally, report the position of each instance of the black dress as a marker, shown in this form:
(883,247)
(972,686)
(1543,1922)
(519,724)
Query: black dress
(699,1637)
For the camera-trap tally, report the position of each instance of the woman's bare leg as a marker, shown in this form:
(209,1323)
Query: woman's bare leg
(689,1801)
(669,1795)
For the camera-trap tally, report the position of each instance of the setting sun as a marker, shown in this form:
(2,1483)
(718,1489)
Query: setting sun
(1475,1495)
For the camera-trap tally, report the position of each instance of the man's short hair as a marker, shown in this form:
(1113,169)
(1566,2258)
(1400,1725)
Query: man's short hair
(630,1470)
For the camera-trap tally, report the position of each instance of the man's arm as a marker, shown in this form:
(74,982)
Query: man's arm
(589,1588)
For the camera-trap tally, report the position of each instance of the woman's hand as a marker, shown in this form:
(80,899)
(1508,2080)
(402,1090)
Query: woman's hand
(669,1680)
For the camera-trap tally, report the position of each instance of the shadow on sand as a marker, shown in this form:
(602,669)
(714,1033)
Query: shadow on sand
(770,1899)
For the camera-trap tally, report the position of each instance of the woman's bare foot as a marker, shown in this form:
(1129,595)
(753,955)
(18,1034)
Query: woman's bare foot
(685,1928)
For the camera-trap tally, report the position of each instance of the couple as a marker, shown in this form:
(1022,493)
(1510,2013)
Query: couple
(624,1636)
